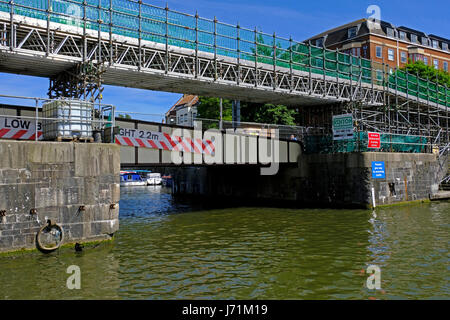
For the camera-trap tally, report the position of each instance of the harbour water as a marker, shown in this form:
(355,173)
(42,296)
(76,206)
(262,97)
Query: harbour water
(169,250)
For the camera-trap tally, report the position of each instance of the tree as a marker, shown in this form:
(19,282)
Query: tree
(427,72)
(275,114)
(209,108)
(265,51)
(124,116)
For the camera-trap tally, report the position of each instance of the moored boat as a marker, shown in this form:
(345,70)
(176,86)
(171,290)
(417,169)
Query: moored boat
(154,179)
(131,179)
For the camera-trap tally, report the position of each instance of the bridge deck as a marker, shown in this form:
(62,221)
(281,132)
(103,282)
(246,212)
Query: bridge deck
(175,64)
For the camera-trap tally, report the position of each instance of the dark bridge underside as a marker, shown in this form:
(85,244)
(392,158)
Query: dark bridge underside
(47,67)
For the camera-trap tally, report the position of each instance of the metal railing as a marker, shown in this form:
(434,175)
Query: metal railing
(103,116)
(314,139)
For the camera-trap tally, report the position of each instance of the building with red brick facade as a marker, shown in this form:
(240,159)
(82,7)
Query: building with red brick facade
(386,44)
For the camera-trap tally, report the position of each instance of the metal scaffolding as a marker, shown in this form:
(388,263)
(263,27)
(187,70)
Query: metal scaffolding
(130,43)
(84,81)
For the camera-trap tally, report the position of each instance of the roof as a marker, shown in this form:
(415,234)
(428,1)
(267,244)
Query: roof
(439,38)
(417,32)
(350,24)
(187,100)
(339,34)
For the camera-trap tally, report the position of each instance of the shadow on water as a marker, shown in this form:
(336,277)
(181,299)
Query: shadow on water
(167,249)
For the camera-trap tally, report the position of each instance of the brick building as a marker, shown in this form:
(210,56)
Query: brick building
(386,43)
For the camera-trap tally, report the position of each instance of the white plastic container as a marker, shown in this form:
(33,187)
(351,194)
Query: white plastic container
(73,119)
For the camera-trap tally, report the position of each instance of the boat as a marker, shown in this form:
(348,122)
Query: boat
(154,179)
(131,179)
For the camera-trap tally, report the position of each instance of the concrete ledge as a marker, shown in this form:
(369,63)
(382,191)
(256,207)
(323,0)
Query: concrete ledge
(441,195)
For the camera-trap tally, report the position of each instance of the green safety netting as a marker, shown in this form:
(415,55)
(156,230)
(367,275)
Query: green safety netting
(424,89)
(389,142)
(177,29)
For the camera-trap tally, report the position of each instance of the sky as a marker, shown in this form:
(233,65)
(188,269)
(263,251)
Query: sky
(300,19)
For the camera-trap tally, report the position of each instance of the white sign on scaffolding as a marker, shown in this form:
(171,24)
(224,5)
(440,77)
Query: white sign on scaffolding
(343,127)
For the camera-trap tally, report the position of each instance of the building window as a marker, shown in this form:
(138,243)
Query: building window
(379,52)
(402,35)
(425,60)
(446,66)
(414,38)
(351,32)
(319,43)
(435,44)
(416,57)
(356,52)
(364,52)
(436,63)
(390,32)
(424,41)
(403,57)
(391,55)
(444,46)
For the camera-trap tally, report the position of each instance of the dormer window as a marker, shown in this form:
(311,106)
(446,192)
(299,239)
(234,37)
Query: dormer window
(424,41)
(402,35)
(390,32)
(319,43)
(435,44)
(351,32)
(444,46)
(414,38)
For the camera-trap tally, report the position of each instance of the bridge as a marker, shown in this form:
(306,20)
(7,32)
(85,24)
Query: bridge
(80,45)
(151,144)
(143,46)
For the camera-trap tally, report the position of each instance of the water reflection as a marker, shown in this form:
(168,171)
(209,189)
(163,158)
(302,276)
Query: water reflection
(170,250)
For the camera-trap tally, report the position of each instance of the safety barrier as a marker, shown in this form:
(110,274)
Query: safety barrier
(360,143)
(147,22)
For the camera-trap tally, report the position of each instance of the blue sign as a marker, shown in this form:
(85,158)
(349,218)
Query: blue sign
(378,170)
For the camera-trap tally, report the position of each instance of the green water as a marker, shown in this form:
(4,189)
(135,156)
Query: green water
(166,250)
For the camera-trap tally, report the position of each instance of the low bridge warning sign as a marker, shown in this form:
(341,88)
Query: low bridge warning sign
(163,141)
(19,129)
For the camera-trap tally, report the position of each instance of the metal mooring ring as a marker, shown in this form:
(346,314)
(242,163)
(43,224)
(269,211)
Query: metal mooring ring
(54,230)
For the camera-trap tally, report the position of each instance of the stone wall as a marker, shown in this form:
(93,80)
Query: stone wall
(56,179)
(342,180)
(346,178)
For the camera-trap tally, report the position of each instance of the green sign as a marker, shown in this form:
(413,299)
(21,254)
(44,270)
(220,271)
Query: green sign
(343,127)
(344,121)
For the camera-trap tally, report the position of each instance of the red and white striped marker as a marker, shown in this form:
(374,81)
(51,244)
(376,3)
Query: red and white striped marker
(19,134)
(168,143)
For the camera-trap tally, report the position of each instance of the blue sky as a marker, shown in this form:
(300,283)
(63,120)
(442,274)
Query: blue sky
(297,18)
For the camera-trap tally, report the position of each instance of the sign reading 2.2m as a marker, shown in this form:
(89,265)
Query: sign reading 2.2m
(141,134)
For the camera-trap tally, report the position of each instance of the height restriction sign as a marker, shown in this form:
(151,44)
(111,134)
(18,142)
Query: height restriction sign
(374,140)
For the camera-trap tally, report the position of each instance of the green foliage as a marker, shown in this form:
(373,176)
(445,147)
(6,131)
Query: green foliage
(427,72)
(250,112)
(209,108)
(124,116)
(265,51)
(275,114)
